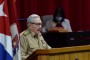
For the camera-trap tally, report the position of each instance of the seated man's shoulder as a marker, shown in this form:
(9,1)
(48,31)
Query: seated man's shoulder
(25,33)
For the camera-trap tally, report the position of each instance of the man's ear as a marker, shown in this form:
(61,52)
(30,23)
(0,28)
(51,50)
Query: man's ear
(28,24)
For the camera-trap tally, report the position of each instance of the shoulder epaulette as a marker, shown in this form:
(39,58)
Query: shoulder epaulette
(25,33)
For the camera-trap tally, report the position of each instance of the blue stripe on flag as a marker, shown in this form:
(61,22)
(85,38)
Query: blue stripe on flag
(4,55)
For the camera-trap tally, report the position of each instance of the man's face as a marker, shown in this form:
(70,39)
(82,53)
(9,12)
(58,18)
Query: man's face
(36,25)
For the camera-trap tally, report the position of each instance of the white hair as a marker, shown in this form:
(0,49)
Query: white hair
(32,17)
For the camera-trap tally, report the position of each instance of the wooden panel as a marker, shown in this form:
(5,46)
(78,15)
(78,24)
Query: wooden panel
(67,53)
(40,57)
(52,57)
(86,57)
(62,57)
(89,55)
(80,55)
(73,56)
(43,57)
(57,57)
(67,57)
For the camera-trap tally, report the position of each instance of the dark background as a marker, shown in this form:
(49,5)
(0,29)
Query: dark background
(77,11)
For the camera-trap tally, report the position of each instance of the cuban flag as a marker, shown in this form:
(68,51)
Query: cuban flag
(9,37)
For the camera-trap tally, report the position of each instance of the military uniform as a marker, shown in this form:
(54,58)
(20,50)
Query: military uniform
(29,43)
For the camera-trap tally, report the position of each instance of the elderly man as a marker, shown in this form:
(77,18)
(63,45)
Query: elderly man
(31,39)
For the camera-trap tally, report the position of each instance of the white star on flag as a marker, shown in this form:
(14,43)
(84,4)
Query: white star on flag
(1,10)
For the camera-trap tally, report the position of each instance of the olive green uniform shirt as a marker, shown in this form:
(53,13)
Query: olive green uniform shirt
(29,43)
